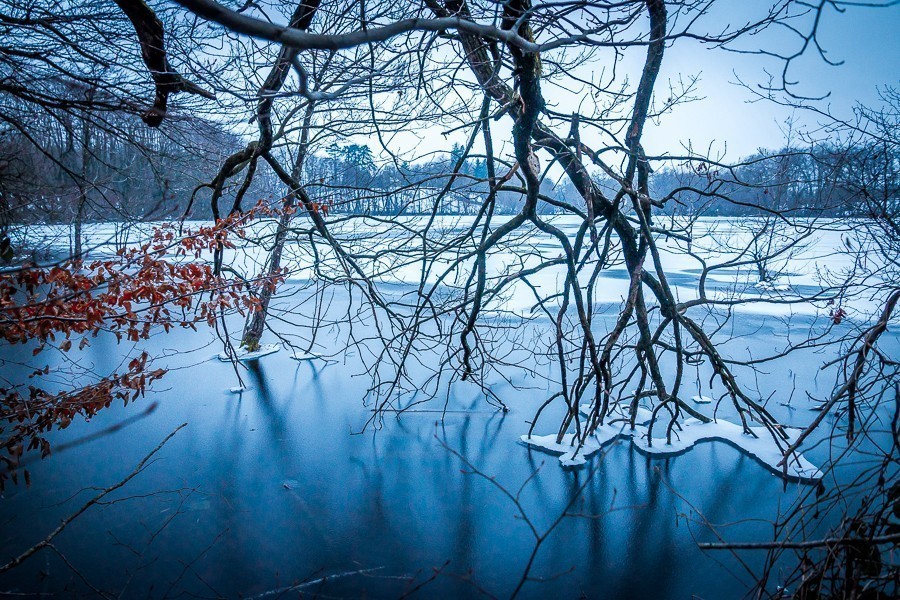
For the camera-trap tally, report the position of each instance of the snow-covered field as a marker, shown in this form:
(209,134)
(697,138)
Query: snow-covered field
(809,255)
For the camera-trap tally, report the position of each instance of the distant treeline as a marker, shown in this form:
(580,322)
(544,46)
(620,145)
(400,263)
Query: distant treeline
(824,179)
(59,168)
(66,169)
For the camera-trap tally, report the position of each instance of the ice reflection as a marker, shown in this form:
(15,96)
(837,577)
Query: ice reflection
(277,485)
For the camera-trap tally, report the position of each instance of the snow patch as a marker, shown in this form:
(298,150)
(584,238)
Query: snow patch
(772,287)
(301,356)
(242,354)
(701,399)
(759,444)
(238,389)
(616,425)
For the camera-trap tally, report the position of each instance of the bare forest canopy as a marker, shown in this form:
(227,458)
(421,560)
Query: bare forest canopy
(77,101)
(125,171)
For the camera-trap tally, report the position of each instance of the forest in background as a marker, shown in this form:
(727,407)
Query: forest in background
(67,168)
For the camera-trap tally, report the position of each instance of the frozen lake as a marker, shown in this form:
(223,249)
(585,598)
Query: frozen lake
(284,483)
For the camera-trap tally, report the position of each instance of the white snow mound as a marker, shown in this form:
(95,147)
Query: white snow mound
(760,444)
(242,353)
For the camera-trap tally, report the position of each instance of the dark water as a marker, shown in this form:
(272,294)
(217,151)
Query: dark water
(276,486)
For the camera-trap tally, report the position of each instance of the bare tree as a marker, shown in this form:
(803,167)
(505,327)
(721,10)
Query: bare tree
(518,285)
(641,357)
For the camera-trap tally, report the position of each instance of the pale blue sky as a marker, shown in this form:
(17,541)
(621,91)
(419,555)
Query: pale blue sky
(725,122)
(865,39)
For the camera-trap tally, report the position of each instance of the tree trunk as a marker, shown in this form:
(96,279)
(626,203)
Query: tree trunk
(81,204)
(256,325)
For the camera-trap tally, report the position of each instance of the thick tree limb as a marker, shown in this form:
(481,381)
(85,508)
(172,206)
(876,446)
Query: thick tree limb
(809,544)
(850,386)
(302,40)
(151,36)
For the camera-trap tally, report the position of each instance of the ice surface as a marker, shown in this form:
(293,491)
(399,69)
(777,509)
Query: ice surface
(802,272)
